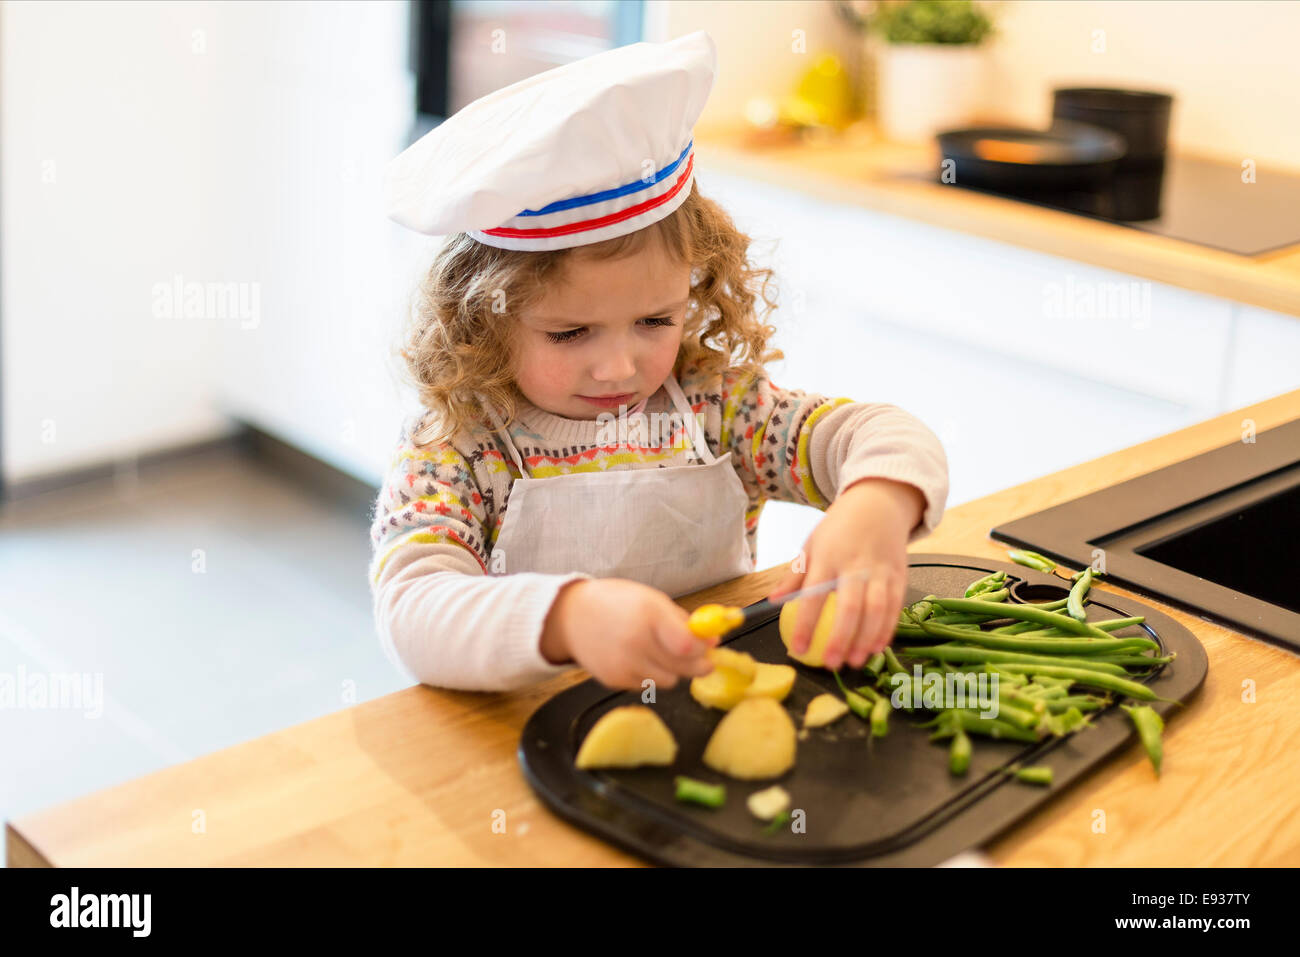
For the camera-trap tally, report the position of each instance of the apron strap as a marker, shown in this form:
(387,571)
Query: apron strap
(689,420)
(504,434)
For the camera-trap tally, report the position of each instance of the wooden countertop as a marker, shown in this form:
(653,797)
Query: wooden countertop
(858,167)
(415,778)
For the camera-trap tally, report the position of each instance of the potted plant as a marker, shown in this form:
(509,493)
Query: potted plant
(930,63)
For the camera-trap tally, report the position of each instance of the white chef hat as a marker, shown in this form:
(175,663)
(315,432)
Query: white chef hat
(588,151)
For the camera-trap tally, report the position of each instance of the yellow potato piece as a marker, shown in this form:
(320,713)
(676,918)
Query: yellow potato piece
(767,804)
(725,685)
(712,621)
(824,709)
(627,737)
(735,660)
(720,688)
(815,656)
(755,740)
(771,681)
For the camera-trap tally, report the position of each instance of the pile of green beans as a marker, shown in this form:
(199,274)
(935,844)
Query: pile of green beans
(1055,668)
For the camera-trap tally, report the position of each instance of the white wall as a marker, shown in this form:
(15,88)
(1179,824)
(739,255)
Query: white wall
(105,140)
(1231,64)
(219,143)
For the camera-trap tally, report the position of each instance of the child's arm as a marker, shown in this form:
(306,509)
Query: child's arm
(807,448)
(440,617)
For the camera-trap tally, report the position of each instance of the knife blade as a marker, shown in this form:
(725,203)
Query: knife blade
(765,607)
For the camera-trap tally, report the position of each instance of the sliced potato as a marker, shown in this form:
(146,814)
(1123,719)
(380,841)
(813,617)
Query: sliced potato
(627,737)
(735,660)
(815,656)
(755,740)
(725,685)
(823,710)
(771,681)
(768,803)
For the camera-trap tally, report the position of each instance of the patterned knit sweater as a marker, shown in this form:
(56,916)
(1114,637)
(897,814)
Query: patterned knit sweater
(447,621)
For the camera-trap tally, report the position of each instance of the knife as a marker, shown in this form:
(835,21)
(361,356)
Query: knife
(714,620)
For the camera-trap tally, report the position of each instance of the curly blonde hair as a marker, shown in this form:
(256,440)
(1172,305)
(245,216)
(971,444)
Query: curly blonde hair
(459,345)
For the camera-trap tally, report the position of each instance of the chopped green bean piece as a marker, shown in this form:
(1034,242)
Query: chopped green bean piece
(698,792)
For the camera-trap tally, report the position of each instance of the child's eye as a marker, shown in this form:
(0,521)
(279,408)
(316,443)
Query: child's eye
(568,335)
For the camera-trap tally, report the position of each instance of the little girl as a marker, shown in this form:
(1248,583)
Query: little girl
(599,434)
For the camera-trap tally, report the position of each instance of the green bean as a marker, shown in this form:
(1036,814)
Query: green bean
(987,581)
(1018,628)
(698,792)
(1149,726)
(1114,624)
(777,822)
(880,718)
(1074,603)
(1049,646)
(1007,692)
(1035,775)
(875,663)
(972,723)
(1047,681)
(989,595)
(965,655)
(959,618)
(1063,722)
(1031,559)
(959,753)
(1081,701)
(1025,612)
(858,704)
(1082,676)
(1136,661)
(892,662)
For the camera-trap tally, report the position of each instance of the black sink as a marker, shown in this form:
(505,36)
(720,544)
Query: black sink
(1218,534)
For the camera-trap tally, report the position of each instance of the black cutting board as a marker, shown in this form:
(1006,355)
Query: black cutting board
(865,801)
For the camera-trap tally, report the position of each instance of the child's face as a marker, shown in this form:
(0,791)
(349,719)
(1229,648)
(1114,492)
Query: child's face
(620,322)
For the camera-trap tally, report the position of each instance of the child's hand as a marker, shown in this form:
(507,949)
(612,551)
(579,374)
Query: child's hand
(623,632)
(866,527)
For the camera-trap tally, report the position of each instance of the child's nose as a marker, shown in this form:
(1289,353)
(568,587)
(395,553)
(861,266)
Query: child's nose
(617,367)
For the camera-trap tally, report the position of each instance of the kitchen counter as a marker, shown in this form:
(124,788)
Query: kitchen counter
(417,777)
(859,168)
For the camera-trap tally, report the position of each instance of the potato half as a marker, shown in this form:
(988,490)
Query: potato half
(755,740)
(815,656)
(627,737)
(771,681)
(724,687)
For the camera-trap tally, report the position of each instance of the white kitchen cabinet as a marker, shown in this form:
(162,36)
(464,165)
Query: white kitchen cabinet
(989,343)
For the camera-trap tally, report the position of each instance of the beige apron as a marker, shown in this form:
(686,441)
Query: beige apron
(678,528)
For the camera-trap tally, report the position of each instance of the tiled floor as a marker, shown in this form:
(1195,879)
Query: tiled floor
(276,628)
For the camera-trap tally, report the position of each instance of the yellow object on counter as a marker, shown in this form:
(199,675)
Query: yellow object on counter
(714,621)
(627,737)
(815,656)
